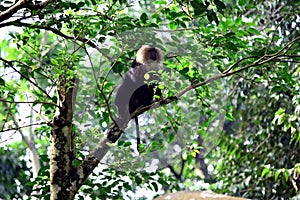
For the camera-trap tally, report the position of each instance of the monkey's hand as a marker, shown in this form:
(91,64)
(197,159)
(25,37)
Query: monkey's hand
(168,100)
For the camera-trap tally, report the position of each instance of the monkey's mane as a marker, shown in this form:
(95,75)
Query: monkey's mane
(142,55)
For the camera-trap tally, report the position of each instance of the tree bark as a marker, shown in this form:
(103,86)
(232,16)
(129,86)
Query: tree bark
(61,141)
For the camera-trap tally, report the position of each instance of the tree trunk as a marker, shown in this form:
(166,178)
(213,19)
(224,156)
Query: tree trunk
(65,179)
(61,142)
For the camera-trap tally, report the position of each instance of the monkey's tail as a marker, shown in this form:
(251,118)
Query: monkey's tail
(138,138)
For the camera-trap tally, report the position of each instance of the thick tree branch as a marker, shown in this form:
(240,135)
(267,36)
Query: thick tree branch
(20,5)
(200,159)
(88,165)
(12,10)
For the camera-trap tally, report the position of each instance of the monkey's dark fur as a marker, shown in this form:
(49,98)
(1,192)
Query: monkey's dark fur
(134,92)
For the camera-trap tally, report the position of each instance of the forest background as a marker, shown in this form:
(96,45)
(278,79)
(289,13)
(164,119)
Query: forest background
(235,128)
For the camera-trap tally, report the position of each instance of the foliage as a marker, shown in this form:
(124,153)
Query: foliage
(233,64)
(14,172)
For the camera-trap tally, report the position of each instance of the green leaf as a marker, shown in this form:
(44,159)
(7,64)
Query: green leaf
(220,5)
(173,25)
(229,116)
(242,3)
(87,190)
(101,39)
(144,18)
(155,186)
(157,17)
(189,158)
(127,144)
(231,46)
(80,4)
(229,34)
(121,142)
(76,163)
(266,171)
(138,180)
(118,67)
(212,16)
(154,145)
(127,186)
(199,7)
(253,31)
(279,116)
(2,82)
(142,148)
(171,138)
(286,175)
(277,173)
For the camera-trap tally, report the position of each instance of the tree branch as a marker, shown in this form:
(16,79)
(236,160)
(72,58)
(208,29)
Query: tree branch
(10,63)
(177,175)
(260,61)
(89,42)
(36,102)
(17,128)
(116,128)
(20,5)
(29,143)
(12,10)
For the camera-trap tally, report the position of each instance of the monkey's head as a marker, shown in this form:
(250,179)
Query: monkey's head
(149,55)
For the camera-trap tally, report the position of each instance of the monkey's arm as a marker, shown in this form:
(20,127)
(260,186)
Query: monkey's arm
(130,83)
(123,96)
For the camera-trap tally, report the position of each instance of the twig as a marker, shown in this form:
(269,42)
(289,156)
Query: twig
(24,126)
(25,77)
(35,102)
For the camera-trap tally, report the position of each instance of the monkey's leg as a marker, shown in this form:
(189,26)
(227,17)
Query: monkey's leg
(138,138)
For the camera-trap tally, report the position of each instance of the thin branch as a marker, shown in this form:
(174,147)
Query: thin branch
(8,138)
(260,61)
(100,88)
(284,49)
(17,128)
(89,42)
(35,102)
(177,175)
(187,12)
(110,70)
(176,30)
(273,36)
(237,62)
(10,63)
(28,144)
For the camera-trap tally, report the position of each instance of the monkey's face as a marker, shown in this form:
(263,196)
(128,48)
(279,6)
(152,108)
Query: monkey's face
(152,54)
(148,54)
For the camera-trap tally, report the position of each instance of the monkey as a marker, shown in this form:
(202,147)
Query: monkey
(135,92)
